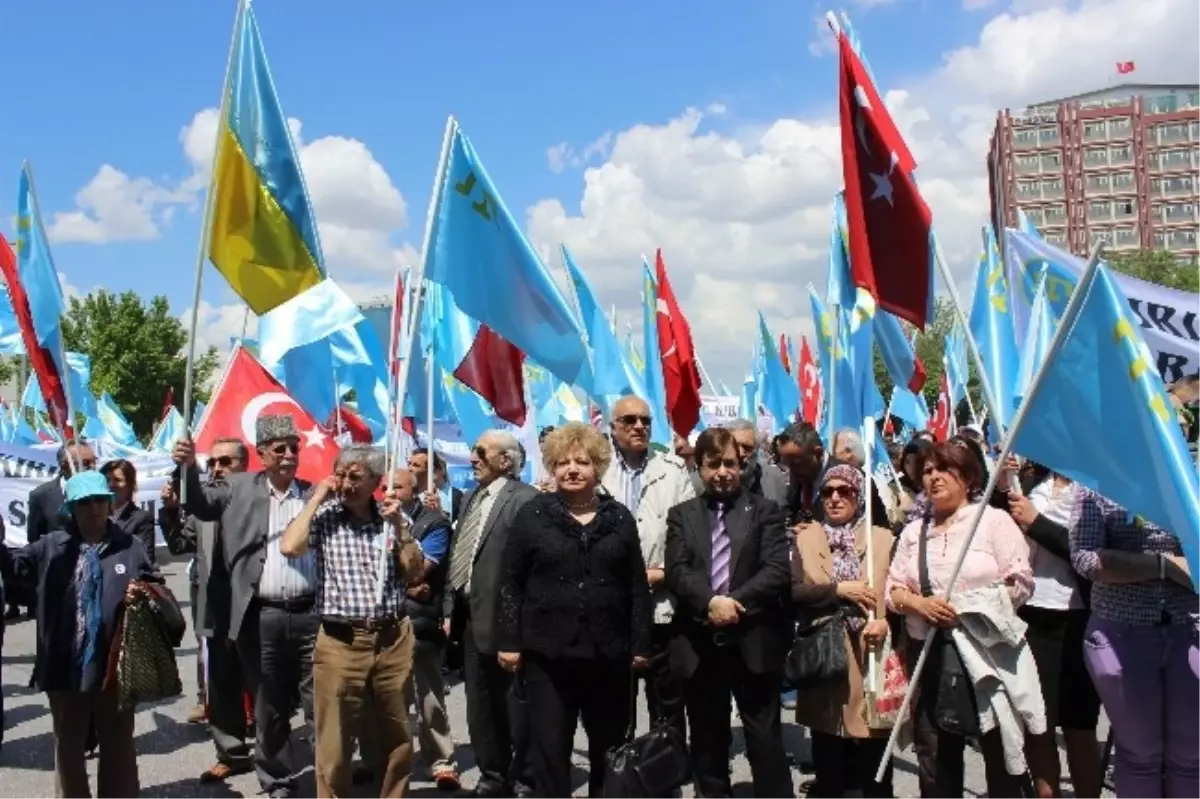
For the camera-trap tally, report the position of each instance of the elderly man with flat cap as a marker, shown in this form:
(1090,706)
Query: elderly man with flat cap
(272,619)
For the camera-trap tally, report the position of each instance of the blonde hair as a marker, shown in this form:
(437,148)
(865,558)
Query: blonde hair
(562,441)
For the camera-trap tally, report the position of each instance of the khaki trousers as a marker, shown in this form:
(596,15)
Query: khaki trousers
(117,771)
(358,693)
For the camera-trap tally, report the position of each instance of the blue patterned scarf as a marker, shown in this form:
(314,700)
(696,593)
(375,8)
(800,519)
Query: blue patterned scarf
(88,584)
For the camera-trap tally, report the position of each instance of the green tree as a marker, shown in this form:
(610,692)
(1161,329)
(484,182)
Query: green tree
(10,370)
(1156,266)
(137,352)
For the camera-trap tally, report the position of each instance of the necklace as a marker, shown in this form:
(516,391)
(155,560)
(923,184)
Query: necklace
(579,507)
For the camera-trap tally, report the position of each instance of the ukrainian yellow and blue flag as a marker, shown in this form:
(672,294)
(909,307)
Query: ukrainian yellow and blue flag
(263,237)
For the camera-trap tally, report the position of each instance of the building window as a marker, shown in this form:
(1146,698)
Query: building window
(1119,128)
(1051,162)
(1175,159)
(1027,164)
(1194,130)
(1099,209)
(1028,190)
(1192,101)
(1125,208)
(1172,186)
(1058,239)
(1055,214)
(1024,138)
(1161,104)
(1052,187)
(1127,237)
(1176,212)
(1124,181)
(1172,133)
(1096,156)
(1095,131)
(1100,235)
(1182,239)
(1097,184)
(1159,240)
(1120,155)
(1048,135)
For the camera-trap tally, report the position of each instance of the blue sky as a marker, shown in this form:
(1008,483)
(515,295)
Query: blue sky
(114,82)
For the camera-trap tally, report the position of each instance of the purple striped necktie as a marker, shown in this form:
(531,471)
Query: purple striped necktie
(722,551)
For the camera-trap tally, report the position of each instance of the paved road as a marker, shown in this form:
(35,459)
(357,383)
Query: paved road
(171,753)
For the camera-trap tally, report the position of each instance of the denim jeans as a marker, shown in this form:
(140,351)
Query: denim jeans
(1147,678)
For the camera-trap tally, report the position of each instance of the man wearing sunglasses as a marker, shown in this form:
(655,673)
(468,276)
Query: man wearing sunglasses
(271,609)
(221,701)
(649,484)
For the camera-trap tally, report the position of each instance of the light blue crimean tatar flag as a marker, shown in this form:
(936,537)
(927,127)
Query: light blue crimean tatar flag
(1042,323)
(612,375)
(992,326)
(1101,417)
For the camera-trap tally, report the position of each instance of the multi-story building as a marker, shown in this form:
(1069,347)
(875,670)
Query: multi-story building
(1117,165)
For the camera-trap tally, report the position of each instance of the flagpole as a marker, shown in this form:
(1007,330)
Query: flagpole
(393,354)
(1067,322)
(868,448)
(430,373)
(205,236)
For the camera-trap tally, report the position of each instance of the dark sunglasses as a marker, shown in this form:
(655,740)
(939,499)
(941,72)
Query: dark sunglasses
(225,461)
(481,453)
(630,419)
(846,492)
(281,447)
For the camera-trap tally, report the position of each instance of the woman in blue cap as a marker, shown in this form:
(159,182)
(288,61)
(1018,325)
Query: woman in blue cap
(82,575)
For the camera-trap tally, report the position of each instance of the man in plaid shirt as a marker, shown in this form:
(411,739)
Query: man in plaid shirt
(364,651)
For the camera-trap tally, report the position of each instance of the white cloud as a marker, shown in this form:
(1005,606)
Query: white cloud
(744,218)
(115,207)
(563,155)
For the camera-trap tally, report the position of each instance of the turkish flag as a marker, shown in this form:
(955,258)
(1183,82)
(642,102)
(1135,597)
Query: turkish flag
(1125,67)
(495,369)
(939,423)
(397,323)
(681,376)
(343,420)
(247,391)
(168,403)
(810,384)
(41,361)
(888,221)
(783,353)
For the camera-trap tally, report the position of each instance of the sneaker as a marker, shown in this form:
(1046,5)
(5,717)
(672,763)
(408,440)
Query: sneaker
(198,715)
(446,778)
(220,772)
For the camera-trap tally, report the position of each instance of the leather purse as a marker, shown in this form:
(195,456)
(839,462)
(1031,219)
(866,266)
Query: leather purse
(818,653)
(654,764)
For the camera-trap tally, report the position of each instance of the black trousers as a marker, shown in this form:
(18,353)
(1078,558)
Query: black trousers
(497,720)
(561,692)
(721,676)
(940,766)
(664,689)
(194,598)
(848,764)
(276,648)
(225,687)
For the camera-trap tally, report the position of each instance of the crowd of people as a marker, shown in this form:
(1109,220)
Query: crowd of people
(733,569)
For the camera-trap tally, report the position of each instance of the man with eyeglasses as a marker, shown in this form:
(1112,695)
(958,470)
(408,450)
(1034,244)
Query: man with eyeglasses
(271,610)
(649,484)
(222,688)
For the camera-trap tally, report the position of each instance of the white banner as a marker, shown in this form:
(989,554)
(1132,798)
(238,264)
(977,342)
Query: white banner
(14,504)
(716,411)
(1168,318)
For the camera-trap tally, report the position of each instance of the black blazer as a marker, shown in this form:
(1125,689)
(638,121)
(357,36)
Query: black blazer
(139,524)
(760,579)
(45,510)
(559,576)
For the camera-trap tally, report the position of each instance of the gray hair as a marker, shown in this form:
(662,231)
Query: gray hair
(740,425)
(369,458)
(850,438)
(508,444)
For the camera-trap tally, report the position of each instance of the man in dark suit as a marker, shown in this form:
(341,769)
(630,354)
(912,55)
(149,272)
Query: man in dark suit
(271,613)
(46,504)
(495,718)
(223,686)
(727,564)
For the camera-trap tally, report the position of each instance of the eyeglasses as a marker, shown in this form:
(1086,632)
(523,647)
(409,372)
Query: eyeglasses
(845,492)
(630,419)
(225,461)
(282,447)
(481,453)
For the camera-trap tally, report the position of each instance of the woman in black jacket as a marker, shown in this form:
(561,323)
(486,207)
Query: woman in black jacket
(575,611)
(122,482)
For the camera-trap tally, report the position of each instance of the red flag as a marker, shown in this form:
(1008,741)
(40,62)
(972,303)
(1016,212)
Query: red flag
(681,376)
(247,391)
(810,384)
(939,422)
(345,420)
(494,368)
(397,323)
(1125,67)
(596,416)
(888,221)
(168,403)
(41,361)
(783,353)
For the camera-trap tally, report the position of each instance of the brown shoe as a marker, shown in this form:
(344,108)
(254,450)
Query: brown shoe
(446,778)
(220,772)
(198,715)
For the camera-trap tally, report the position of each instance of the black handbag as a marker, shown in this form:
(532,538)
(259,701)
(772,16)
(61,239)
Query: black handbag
(955,710)
(819,652)
(654,764)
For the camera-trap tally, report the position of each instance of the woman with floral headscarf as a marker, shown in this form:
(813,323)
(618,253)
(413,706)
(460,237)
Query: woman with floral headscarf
(83,573)
(829,573)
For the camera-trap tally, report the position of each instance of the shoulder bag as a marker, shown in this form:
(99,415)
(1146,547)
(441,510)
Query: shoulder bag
(818,653)
(655,764)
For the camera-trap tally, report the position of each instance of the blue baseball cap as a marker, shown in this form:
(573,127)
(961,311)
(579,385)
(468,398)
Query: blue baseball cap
(85,485)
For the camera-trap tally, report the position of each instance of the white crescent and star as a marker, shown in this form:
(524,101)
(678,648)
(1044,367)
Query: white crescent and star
(312,438)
